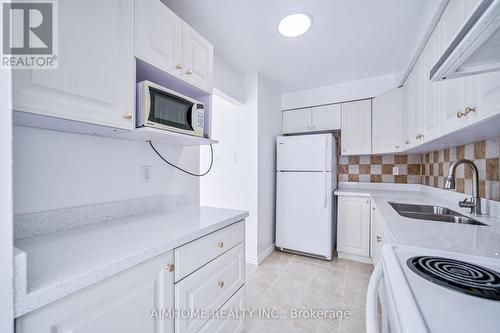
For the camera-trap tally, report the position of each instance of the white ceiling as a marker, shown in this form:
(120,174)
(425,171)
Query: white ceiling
(349,40)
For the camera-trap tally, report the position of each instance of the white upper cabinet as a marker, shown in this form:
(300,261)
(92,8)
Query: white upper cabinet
(95,79)
(197,58)
(317,118)
(326,117)
(162,39)
(158,36)
(431,91)
(356,130)
(387,122)
(297,121)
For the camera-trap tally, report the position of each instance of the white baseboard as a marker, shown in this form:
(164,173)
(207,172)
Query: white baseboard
(257,261)
(355,257)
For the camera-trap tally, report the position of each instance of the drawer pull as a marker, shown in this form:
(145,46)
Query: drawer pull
(379,239)
(220,245)
(170,267)
(220,284)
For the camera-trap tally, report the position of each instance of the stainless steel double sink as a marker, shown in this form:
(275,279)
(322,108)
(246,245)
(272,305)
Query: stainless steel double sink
(432,213)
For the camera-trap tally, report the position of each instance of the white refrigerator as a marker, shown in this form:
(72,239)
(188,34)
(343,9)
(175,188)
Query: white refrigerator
(306,176)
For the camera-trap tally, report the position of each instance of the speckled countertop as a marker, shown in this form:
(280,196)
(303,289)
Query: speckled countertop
(470,239)
(52,265)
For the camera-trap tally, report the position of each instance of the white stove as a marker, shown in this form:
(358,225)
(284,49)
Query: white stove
(427,290)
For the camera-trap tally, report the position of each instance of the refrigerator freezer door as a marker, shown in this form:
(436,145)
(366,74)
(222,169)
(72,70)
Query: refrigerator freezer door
(305,152)
(304,212)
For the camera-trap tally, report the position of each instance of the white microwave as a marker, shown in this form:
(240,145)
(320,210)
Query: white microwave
(162,108)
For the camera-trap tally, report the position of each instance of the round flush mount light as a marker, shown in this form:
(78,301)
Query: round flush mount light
(294,25)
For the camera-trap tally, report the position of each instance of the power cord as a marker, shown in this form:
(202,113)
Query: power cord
(179,168)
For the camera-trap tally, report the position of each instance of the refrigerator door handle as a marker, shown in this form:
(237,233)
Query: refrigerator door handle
(326,166)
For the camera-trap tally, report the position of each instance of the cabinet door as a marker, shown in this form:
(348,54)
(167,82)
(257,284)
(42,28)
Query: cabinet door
(158,36)
(124,303)
(356,127)
(326,117)
(95,81)
(431,91)
(354,225)
(297,121)
(386,122)
(377,236)
(197,57)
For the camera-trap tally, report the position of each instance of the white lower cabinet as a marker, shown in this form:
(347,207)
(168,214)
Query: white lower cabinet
(377,235)
(209,288)
(353,227)
(122,303)
(132,301)
(229,318)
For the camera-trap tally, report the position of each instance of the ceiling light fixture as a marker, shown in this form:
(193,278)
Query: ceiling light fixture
(295,25)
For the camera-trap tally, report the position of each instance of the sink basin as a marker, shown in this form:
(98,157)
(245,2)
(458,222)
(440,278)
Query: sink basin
(432,213)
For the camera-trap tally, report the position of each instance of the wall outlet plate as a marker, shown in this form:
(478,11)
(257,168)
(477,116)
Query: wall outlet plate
(146,173)
(395,171)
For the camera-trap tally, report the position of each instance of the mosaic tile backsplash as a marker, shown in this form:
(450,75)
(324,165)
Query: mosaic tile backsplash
(430,168)
(486,157)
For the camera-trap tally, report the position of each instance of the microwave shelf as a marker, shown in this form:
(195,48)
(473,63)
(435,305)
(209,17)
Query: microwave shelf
(162,136)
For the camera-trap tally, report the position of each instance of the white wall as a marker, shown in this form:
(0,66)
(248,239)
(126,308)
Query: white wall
(269,127)
(228,81)
(56,169)
(6,230)
(231,183)
(348,91)
(243,173)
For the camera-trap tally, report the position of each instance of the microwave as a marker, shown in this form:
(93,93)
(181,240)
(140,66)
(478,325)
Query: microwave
(162,108)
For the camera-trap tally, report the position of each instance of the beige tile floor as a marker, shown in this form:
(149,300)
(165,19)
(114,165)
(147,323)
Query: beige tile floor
(286,281)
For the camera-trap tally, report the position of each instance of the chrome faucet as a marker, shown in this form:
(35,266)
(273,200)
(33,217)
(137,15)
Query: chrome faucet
(475,202)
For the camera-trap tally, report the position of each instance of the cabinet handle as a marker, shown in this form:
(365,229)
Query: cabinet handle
(379,239)
(178,66)
(419,136)
(189,72)
(220,284)
(467,110)
(396,146)
(407,142)
(127,115)
(367,201)
(170,267)
(373,208)
(220,245)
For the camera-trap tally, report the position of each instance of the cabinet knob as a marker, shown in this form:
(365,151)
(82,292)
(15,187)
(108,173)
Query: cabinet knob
(170,267)
(220,284)
(220,245)
(189,72)
(396,146)
(178,66)
(466,111)
(127,115)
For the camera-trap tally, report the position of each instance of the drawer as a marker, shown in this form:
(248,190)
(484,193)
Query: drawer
(209,288)
(192,256)
(225,325)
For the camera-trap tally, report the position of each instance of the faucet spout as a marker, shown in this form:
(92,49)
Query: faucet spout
(475,203)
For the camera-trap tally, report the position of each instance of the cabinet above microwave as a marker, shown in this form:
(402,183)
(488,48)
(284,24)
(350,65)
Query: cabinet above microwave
(475,48)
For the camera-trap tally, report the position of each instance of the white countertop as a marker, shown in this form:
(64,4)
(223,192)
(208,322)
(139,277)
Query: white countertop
(59,263)
(470,239)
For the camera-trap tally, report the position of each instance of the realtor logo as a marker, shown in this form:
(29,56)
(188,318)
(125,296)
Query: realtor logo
(29,34)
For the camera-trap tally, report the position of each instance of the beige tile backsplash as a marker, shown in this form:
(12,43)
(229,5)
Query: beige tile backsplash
(430,168)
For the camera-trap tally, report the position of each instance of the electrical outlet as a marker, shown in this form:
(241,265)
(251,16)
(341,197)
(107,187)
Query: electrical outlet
(395,171)
(146,173)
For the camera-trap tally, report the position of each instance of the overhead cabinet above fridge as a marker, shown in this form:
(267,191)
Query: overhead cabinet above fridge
(475,48)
